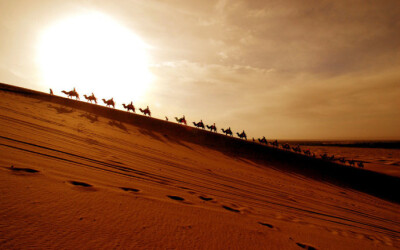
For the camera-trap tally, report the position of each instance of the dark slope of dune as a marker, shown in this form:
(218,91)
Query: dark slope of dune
(377,184)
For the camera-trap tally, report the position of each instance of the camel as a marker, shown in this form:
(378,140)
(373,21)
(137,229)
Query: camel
(297,149)
(200,124)
(145,111)
(324,156)
(87,98)
(286,146)
(51,92)
(90,98)
(307,152)
(242,135)
(360,164)
(328,158)
(166,118)
(181,120)
(71,94)
(109,102)
(263,140)
(93,98)
(129,107)
(227,132)
(212,128)
(342,160)
(351,162)
(274,143)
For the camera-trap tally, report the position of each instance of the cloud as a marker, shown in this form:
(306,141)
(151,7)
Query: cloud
(262,100)
(284,69)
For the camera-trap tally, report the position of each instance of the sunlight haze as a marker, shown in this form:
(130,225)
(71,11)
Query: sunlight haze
(94,54)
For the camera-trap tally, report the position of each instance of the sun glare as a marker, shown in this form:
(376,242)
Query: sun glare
(94,53)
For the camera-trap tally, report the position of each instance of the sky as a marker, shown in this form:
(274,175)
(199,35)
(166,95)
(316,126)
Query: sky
(280,69)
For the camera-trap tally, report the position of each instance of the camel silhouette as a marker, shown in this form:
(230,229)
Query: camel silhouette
(51,92)
(181,120)
(263,140)
(352,162)
(109,102)
(286,146)
(227,131)
(342,160)
(129,107)
(329,158)
(360,164)
(242,135)
(212,128)
(71,94)
(274,143)
(200,124)
(307,152)
(90,98)
(145,111)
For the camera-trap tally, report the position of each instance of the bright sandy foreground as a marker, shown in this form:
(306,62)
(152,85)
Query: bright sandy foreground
(103,183)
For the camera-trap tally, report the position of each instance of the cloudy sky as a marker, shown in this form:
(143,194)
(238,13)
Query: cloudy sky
(284,69)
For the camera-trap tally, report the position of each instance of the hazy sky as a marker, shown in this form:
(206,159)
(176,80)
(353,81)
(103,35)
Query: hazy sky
(284,69)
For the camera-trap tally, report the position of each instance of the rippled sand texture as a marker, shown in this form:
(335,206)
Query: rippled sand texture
(74,179)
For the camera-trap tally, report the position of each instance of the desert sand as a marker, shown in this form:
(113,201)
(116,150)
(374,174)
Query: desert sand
(79,175)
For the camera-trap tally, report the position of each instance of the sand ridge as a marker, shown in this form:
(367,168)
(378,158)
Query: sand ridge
(108,180)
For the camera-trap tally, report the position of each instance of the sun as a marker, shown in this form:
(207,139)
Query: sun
(94,53)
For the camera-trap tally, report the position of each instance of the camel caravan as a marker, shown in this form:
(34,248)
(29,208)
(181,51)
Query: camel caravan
(109,103)
(228,132)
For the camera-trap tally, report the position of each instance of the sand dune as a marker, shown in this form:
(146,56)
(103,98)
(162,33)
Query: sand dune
(84,175)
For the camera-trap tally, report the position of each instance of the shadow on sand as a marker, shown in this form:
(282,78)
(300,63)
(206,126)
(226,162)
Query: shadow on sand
(90,117)
(119,125)
(61,110)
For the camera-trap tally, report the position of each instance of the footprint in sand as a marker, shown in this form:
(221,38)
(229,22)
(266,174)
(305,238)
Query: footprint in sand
(305,246)
(78,183)
(177,198)
(265,224)
(231,209)
(23,170)
(83,185)
(130,189)
(180,199)
(205,198)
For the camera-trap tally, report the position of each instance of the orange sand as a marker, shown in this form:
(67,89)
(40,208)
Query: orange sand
(108,179)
